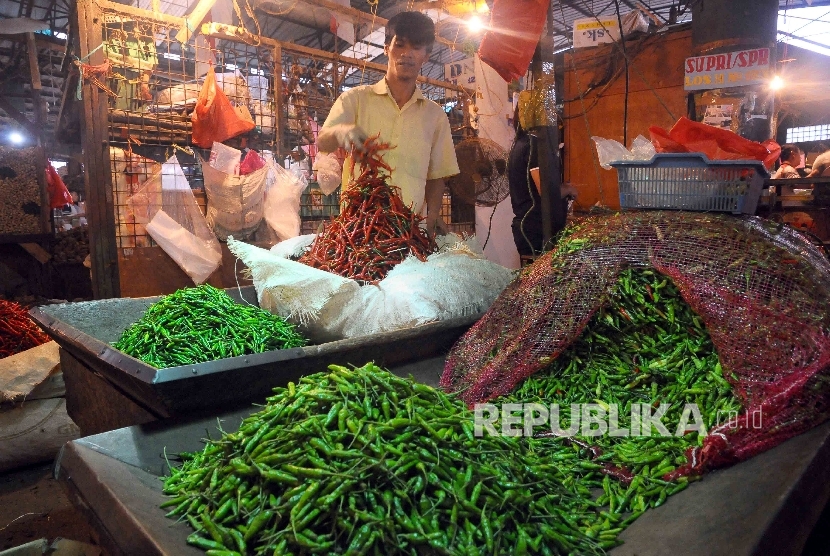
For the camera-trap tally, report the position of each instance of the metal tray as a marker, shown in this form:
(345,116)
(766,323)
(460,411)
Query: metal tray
(766,505)
(86,329)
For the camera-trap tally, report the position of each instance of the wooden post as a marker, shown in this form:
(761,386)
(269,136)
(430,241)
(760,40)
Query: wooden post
(100,212)
(278,86)
(34,71)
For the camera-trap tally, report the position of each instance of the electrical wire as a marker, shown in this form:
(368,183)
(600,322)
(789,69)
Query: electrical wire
(584,115)
(627,76)
(528,180)
(633,67)
(490,226)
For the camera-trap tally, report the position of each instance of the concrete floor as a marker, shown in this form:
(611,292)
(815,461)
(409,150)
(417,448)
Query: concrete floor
(33,505)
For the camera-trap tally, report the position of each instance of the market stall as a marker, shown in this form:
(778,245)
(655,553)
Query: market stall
(765,505)
(108,389)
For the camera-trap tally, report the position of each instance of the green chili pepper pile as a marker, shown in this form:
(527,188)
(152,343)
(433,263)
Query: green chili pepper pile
(644,346)
(194,325)
(363,462)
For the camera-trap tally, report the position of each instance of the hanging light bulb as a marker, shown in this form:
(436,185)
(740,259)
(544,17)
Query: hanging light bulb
(776,83)
(475,24)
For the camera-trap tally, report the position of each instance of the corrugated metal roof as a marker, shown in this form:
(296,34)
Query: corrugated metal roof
(14,75)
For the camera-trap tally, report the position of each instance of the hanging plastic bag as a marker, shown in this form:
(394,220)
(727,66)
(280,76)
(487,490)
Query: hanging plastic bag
(58,193)
(225,158)
(167,206)
(215,118)
(329,172)
(609,151)
(515,28)
(714,142)
(282,200)
(234,202)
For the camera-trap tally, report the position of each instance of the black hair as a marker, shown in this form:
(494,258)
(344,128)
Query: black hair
(788,150)
(415,27)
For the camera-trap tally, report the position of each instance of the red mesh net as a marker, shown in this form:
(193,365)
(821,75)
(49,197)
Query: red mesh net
(761,290)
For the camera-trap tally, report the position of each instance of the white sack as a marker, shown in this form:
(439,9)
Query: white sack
(453,283)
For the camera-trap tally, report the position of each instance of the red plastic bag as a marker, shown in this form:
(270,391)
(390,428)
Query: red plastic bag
(215,118)
(251,163)
(58,193)
(515,28)
(714,142)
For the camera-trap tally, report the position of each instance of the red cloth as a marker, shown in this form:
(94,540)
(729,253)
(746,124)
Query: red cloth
(715,143)
(58,193)
(514,30)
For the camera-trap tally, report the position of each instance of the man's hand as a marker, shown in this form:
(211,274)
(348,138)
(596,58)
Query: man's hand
(435,225)
(350,137)
(568,190)
(434,194)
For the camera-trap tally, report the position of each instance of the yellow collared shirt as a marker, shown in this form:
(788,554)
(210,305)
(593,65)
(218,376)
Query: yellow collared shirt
(419,134)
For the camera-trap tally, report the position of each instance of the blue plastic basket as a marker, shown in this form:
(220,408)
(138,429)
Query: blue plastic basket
(692,182)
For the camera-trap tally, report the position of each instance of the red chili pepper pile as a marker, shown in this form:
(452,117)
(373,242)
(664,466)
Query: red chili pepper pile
(17,331)
(374,230)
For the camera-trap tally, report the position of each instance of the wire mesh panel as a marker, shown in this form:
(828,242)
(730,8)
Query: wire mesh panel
(153,82)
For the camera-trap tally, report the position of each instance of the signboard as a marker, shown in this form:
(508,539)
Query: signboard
(462,73)
(731,69)
(594,31)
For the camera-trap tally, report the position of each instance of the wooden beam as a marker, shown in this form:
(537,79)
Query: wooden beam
(34,74)
(194,20)
(18,116)
(38,252)
(278,102)
(365,17)
(231,32)
(107,5)
(100,212)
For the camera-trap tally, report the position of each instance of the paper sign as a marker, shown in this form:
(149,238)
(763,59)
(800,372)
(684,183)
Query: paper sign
(731,69)
(594,31)
(461,73)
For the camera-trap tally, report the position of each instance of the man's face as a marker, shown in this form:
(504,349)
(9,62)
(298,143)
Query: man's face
(405,59)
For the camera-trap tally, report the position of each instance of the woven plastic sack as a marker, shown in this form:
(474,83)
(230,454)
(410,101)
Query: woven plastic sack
(235,203)
(215,118)
(716,143)
(455,282)
(167,207)
(761,290)
(514,30)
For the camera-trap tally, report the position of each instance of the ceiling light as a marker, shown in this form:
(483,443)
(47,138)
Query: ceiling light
(16,137)
(474,24)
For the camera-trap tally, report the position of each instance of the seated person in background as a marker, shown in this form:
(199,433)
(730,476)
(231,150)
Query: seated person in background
(524,193)
(790,160)
(821,166)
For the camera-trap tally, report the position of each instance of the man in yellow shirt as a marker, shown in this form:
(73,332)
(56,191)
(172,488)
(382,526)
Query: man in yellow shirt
(422,154)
